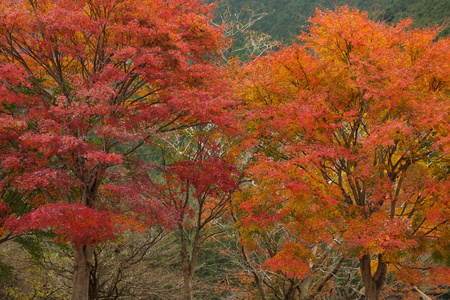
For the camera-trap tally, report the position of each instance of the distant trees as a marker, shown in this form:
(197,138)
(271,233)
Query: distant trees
(285,19)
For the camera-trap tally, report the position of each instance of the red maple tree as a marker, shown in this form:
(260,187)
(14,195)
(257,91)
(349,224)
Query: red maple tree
(84,84)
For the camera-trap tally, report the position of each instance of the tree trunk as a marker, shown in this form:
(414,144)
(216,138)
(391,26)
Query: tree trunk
(372,284)
(304,292)
(94,278)
(186,265)
(259,279)
(260,284)
(82,263)
(187,284)
(189,258)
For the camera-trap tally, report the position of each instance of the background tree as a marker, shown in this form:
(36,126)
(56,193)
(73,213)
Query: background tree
(198,183)
(285,18)
(351,138)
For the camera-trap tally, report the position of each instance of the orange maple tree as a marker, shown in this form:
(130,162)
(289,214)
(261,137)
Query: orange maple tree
(349,130)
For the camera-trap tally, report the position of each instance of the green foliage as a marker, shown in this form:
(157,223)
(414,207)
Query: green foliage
(17,202)
(6,273)
(286,18)
(424,13)
(214,264)
(443,255)
(32,245)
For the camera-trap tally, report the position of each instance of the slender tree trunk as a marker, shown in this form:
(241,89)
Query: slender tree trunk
(372,284)
(186,265)
(259,279)
(187,271)
(94,278)
(82,264)
(189,260)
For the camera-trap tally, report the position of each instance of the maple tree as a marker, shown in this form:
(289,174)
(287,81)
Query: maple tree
(349,133)
(84,84)
(198,181)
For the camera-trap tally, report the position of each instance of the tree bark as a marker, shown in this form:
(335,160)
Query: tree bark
(372,284)
(189,260)
(304,292)
(187,284)
(259,279)
(186,265)
(260,284)
(82,264)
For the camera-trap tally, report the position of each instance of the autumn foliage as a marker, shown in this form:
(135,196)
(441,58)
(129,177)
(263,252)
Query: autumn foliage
(83,85)
(118,116)
(350,131)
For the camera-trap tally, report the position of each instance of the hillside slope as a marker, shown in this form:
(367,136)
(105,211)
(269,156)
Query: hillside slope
(286,18)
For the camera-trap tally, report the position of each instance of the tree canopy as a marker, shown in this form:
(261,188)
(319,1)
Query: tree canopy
(351,149)
(134,148)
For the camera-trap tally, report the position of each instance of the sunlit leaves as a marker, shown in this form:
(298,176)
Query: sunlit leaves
(349,130)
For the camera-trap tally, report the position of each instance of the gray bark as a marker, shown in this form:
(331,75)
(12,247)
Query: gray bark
(82,263)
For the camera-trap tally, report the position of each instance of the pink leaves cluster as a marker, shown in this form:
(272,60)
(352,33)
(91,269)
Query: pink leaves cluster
(213,176)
